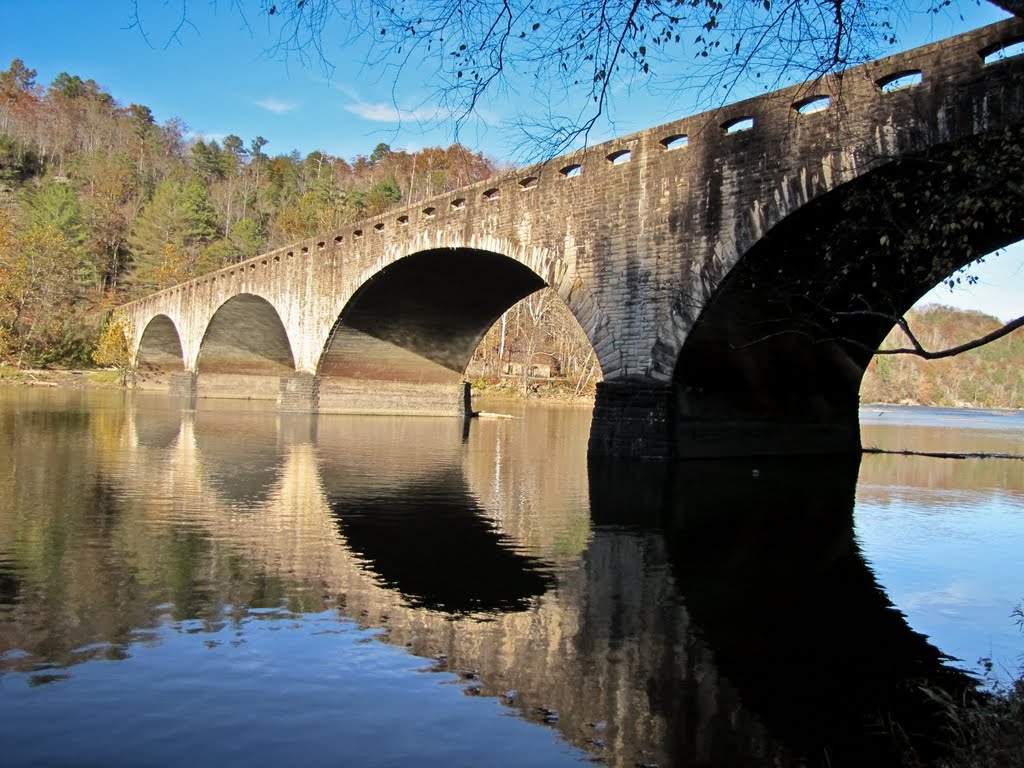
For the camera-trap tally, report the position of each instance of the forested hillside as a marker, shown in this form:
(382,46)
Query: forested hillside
(100,204)
(989,377)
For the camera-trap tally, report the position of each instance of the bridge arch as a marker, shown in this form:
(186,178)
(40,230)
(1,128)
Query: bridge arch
(418,320)
(778,353)
(244,338)
(159,354)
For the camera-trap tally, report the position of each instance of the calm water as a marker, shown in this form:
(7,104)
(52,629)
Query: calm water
(229,586)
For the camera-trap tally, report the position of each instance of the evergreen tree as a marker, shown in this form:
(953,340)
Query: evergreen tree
(168,235)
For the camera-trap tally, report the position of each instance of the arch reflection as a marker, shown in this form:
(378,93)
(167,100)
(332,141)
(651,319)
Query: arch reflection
(240,452)
(412,521)
(765,560)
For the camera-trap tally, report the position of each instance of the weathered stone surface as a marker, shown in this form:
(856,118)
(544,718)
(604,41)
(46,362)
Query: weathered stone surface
(643,252)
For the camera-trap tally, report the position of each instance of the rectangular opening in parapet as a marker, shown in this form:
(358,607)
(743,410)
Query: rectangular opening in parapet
(528,183)
(492,194)
(1003,51)
(379,226)
(676,141)
(339,238)
(738,125)
(402,220)
(459,202)
(572,171)
(429,211)
(900,80)
(619,157)
(812,104)
(357,233)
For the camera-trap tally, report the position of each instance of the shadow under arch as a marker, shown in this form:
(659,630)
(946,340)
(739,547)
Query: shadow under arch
(245,351)
(774,362)
(421,318)
(159,354)
(403,507)
(769,570)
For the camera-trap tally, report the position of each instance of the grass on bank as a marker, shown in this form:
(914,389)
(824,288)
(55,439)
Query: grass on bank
(988,732)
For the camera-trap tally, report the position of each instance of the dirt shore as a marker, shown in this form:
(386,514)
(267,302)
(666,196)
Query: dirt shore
(95,378)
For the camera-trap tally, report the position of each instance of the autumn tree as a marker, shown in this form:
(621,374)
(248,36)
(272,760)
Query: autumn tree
(113,348)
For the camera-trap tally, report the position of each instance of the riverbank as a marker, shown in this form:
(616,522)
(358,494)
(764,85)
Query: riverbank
(93,378)
(548,391)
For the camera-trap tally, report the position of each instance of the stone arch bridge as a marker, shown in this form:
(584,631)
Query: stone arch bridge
(734,270)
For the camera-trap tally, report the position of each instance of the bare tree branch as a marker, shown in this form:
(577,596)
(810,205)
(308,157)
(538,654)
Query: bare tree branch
(916,347)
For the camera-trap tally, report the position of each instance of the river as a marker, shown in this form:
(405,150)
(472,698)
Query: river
(229,586)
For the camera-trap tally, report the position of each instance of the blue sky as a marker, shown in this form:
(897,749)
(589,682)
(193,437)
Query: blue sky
(217,75)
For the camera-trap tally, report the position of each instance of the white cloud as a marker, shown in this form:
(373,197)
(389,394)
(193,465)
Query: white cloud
(275,106)
(206,136)
(388,113)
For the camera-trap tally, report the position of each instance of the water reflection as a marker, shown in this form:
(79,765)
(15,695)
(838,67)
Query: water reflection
(770,572)
(695,614)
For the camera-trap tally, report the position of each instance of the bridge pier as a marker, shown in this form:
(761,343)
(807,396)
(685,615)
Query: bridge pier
(299,393)
(183,384)
(632,419)
(650,420)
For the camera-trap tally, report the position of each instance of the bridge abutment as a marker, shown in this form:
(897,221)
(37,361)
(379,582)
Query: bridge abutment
(238,386)
(709,435)
(393,398)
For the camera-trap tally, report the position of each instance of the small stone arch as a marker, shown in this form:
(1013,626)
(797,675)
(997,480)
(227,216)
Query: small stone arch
(159,354)
(245,350)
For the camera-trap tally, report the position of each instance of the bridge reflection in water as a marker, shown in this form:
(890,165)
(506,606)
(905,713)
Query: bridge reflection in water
(713,613)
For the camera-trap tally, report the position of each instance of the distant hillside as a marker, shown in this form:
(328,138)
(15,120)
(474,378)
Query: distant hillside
(989,377)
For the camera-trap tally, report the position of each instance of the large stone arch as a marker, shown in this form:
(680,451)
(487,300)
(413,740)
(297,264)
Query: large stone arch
(415,321)
(245,350)
(158,354)
(547,266)
(776,357)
